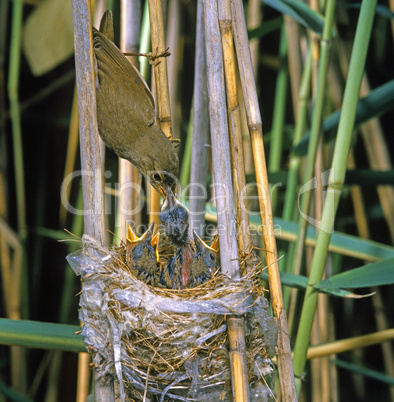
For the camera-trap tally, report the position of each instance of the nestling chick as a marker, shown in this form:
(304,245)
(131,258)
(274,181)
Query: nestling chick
(205,262)
(143,255)
(175,219)
(126,112)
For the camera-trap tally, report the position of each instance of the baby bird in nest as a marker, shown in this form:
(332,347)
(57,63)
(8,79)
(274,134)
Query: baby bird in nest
(205,262)
(185,269)
(175,219)
(143,255)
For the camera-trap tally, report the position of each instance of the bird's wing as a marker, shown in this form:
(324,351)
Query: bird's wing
(102,45)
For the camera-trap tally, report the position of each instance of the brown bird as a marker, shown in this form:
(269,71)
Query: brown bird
(205,262)
(126,112)
(143,255)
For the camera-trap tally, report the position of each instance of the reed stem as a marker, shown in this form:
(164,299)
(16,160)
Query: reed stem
(199,157)
(128,174)
(92,181)
(223,188)
(255,129)
(336,180)
(317,117)
(162,91)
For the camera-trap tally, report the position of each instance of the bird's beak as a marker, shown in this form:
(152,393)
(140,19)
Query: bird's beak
(161,191)
(214,247)
(155,243)
(132,239)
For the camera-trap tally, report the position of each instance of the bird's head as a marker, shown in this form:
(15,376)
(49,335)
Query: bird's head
(209,256)
(137,246)
(162,181)
(175,219)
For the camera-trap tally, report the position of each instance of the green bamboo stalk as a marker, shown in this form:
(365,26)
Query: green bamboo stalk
(299,130)
(336,180)
(317,116)
(145,42)
(295,161)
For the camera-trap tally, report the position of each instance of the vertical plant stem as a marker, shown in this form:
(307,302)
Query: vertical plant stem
(299,130)
(279,113)
(255,128)
(128,174)
(161,83)
(199,159)
(254,21)
(92,180)
(174,42)
(336,180)
(317,116)
(293,176)
(294,59)
(223,190)
(161,79)
(71,153)
(184,176)
(234,119)
(20,285)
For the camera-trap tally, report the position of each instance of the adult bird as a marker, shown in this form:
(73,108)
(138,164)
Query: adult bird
(126,112)
(143,255)
(175,220)
(205,262)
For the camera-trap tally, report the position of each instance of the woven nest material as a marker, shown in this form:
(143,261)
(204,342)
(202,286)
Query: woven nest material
(169,344)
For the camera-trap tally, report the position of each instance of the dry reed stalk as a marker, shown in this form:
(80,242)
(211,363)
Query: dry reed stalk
(83,378)
(254,21)
(160,70)
(71,154)
(175,43)
(294,58)
(128,173)
(234,119)
(92,183)
(285,366)
(223,190)
(161,85)
(199,159)
(344,345)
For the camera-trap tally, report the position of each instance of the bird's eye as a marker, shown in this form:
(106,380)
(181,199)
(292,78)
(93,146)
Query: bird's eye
(157,177)
(212,257)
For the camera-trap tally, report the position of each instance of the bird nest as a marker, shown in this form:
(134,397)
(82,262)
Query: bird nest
(164,344)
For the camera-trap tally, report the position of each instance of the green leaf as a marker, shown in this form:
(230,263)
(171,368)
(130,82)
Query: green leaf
(366,372)
(300,12)
(374,104)
(340,243)
(301,282)
(363,177)
(42,335)
(12,394)
(265,28)
(381,10)
(375,274)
